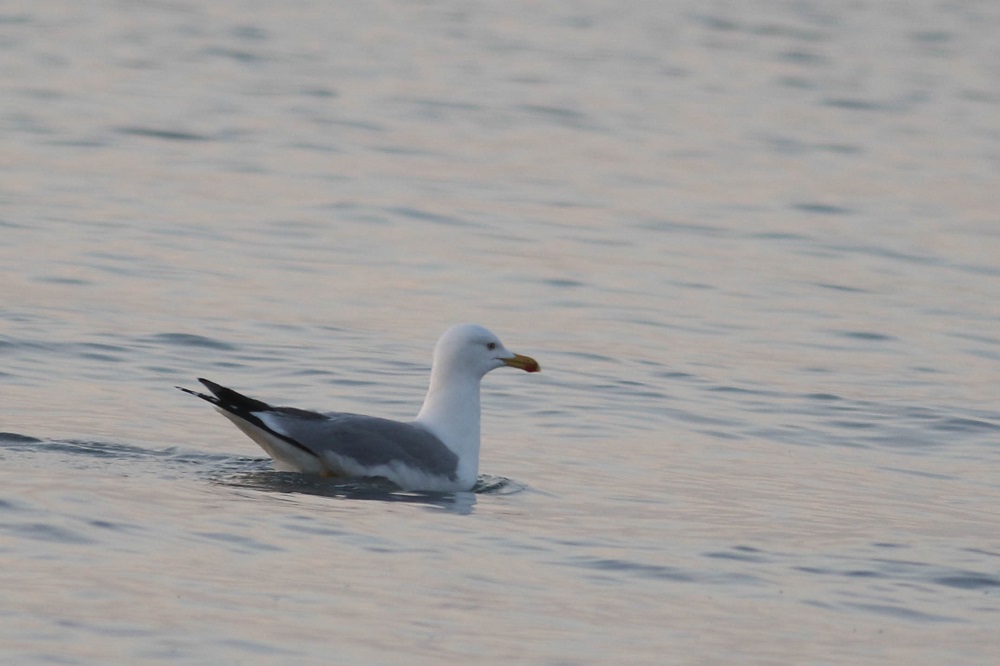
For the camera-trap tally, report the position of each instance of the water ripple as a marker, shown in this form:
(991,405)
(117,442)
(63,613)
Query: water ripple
(159,133)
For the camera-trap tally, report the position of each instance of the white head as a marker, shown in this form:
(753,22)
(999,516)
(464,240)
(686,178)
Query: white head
(472,350)
(463,354)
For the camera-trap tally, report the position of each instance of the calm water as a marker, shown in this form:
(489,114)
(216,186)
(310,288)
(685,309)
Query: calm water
(754,246)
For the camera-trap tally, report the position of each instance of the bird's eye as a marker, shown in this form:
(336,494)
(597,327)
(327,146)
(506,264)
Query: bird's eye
(491,345)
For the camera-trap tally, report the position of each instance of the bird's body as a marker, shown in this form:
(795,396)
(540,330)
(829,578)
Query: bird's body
(437,451)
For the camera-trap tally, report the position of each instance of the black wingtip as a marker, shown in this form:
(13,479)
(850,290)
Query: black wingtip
(196,394)
(247,409)
(220,392)
(210,385)
(230,400)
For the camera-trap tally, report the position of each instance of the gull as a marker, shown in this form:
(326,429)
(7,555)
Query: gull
(437,451)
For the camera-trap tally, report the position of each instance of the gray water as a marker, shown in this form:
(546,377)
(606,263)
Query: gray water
(754,246)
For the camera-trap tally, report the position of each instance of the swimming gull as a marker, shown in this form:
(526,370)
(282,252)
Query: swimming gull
(437,451)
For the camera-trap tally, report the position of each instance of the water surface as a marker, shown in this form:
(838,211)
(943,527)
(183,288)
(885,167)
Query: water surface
(754,248)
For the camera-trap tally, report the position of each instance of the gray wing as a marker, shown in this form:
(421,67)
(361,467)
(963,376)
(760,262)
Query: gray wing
(369,440)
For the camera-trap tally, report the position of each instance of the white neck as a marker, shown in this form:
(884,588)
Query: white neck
(451,411)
